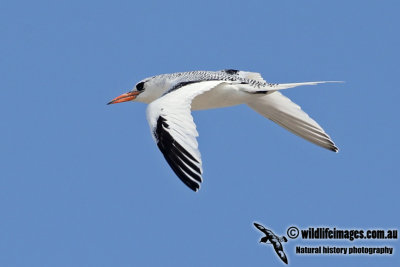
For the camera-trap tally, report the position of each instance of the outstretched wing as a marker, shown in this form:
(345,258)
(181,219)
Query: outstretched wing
(174,130)
(289,115)
(261,228)
(281,254)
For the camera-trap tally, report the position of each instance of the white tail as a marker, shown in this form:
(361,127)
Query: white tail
(281,86)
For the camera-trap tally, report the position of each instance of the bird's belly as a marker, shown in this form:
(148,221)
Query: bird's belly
(218,98)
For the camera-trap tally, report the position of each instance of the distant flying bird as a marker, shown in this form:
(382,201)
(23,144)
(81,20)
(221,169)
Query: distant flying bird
(274,240)
(171,97)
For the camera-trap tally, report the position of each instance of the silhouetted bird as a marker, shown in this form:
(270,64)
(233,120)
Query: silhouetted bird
(274,240)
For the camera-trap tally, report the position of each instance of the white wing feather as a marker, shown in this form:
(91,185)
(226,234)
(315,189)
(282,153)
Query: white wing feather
(289,115)
(174,130)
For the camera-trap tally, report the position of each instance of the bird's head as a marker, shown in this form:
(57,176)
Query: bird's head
(264,239)
(131,95)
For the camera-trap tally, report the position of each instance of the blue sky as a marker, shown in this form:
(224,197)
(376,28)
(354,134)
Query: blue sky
(83,184)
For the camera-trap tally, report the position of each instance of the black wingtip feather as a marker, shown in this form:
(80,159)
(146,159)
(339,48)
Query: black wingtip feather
(178,158)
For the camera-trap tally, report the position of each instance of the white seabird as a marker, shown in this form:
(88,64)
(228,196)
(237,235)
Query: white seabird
(171,97)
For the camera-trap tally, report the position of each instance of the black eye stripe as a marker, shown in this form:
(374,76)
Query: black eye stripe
(140,86)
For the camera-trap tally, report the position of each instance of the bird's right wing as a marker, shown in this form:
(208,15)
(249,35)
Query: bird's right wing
(281,254)
(174,131)
(289,115)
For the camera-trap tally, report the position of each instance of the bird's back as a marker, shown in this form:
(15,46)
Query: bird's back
(250,78)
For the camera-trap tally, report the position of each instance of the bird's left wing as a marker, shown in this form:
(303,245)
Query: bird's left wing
(174,130)
(260,227)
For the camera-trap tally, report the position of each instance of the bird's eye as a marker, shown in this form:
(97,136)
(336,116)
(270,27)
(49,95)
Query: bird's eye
(140,86)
